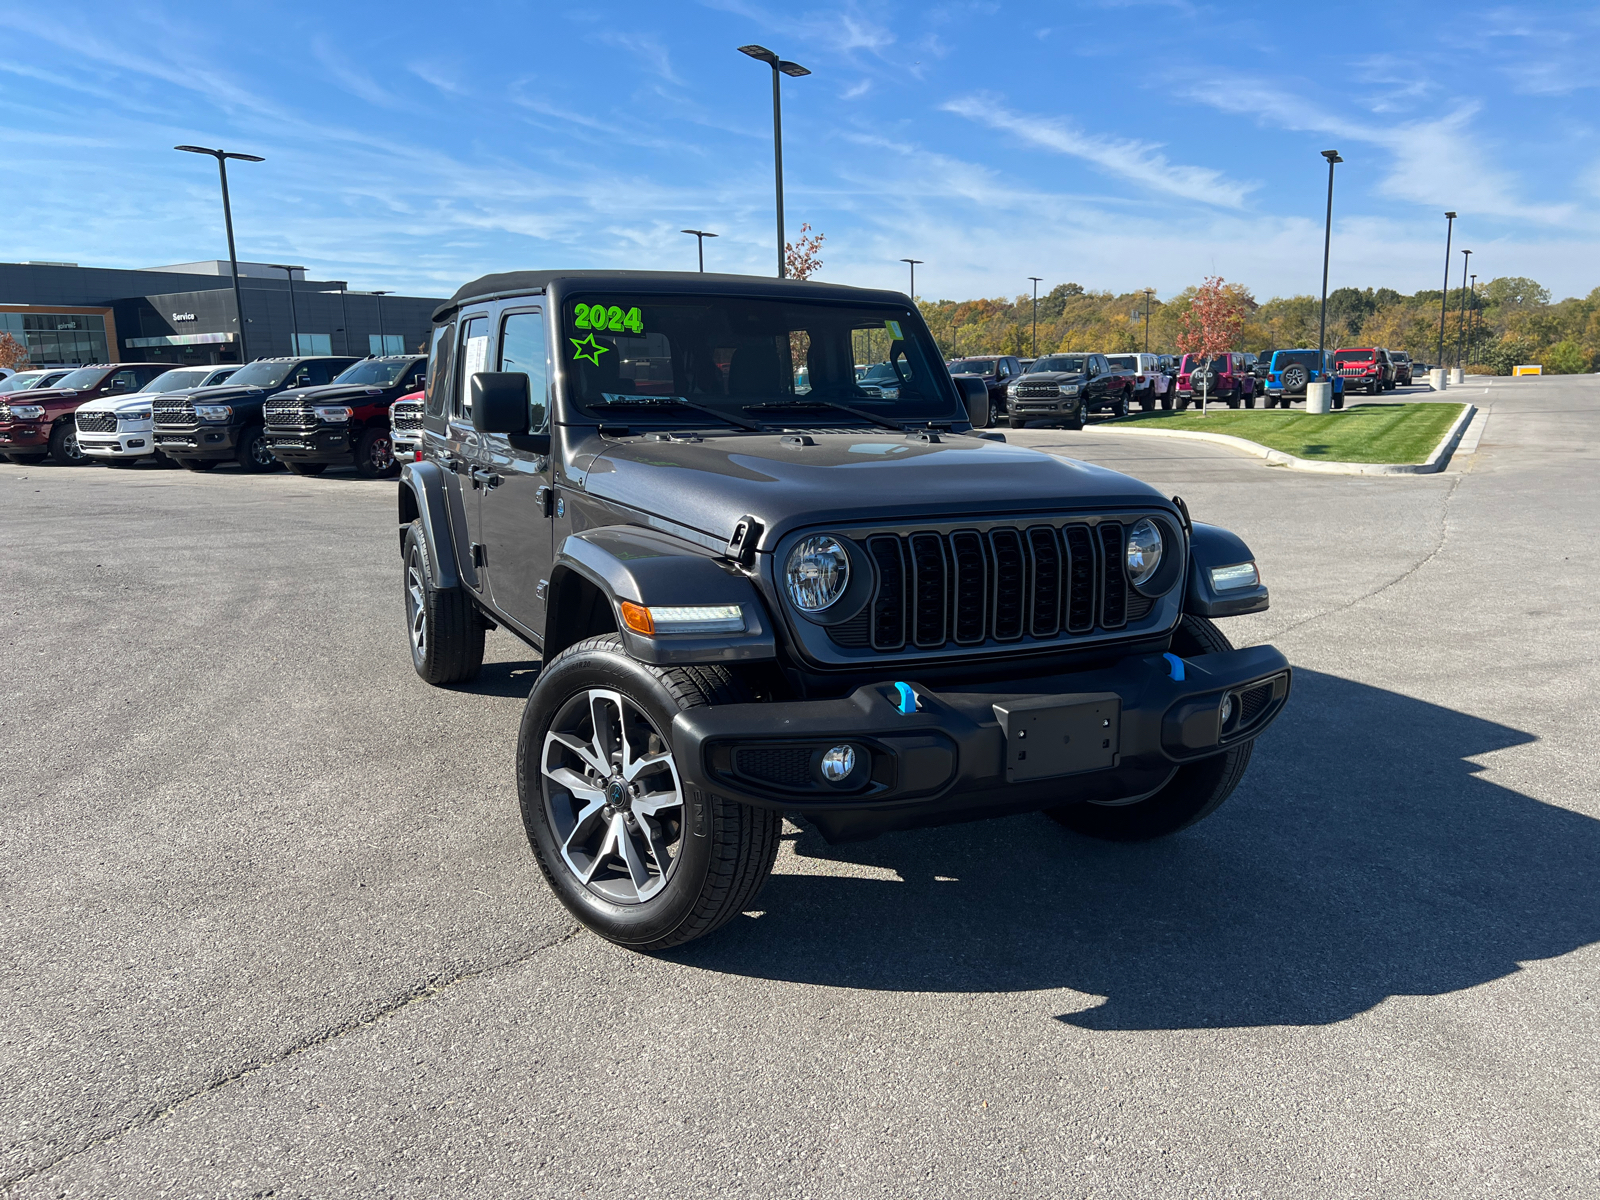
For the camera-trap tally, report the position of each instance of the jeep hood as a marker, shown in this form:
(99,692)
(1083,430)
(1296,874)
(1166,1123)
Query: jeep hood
(869,475)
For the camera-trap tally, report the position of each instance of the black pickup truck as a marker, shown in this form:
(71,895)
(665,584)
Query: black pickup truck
(1062,389)
(200,427)
(754,595)
(343,423)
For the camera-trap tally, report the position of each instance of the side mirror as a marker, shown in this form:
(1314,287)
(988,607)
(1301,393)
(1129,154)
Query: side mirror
(975,395)
(500,403)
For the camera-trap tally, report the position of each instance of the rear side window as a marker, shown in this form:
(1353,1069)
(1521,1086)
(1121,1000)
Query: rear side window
(522,348)
(439,367)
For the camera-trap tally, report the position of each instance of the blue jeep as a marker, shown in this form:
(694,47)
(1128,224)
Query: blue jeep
(1290,371)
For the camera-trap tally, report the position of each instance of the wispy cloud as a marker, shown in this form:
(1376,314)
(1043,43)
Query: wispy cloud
(647,48)
(1137,162)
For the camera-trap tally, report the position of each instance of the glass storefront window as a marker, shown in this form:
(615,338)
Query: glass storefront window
(59,338)
(313,343)
(388,343)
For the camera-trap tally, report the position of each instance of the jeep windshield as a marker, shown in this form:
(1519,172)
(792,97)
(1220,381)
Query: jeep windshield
(973,366)
(1354,356)
(1058,362)
(374,373)
(263,374)
(749,358)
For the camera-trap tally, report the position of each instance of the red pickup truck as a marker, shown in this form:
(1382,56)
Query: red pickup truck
(37,424)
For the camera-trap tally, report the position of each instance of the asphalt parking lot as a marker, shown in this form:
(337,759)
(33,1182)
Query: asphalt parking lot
(271,926)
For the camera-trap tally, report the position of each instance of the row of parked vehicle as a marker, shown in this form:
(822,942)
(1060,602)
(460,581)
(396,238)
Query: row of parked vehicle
(306,414)
(1065,388)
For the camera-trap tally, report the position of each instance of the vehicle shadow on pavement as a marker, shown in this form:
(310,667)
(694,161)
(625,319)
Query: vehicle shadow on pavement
(1362,858)
(510,679)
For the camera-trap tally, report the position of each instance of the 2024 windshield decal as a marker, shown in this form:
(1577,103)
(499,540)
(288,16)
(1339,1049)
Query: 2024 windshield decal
(609,317)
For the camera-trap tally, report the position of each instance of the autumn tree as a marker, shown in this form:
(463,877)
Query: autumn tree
(801,257)
(1214,321)
(13,353)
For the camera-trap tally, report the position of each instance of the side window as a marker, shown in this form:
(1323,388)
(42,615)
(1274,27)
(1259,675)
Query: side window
(123,381)
(522,349)
(471,358)
(439,367)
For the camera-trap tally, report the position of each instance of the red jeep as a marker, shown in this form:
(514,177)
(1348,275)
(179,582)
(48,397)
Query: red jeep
(1372,369)
(38,423)
(1226,377)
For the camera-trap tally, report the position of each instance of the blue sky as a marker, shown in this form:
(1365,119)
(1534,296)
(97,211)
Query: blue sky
(1119,144)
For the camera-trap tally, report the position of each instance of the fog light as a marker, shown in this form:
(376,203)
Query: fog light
(1226,712)
(839,763)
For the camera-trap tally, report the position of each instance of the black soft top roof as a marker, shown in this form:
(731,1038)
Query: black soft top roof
(521,283)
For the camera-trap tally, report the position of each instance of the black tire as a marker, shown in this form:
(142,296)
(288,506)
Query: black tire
(305,468)
(1374,387)
(1018,422)
(27,460)
(375,455)
(1267,401)
(445,632)
(255,453)
(64,448)
(1075,423)
(1119,406)
(1234,400)
(1166,399)
(1338,402)
(1147,400)
(698,860)
(166,462)
(196,464)
(1192,794)
(1183,404)
(1295,378)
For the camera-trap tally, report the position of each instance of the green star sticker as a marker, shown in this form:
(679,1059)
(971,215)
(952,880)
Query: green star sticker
(588,349)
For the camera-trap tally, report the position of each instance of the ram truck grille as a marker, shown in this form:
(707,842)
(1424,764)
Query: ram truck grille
(1038,391)
(174,414)
(289,414)
(96,422)
(405,418)
(1007,583)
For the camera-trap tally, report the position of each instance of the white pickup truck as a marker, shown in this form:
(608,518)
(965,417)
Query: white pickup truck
(1151,385)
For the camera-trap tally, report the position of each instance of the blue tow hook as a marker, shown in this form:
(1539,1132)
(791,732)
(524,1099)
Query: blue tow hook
(908,698)
(1174,667)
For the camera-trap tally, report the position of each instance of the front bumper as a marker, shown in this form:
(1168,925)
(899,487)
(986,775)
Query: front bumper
(202,442)
(1065,406)
(324,445)
(132,443)
(963,754)
(25,435)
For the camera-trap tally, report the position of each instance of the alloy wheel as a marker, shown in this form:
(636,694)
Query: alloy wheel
(416,604)
(613,796)
(70,447)
(261,453)
(381,455)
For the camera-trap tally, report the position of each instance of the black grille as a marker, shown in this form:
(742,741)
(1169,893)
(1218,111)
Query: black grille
(289,413)
(1006,584)
(1038,391)
(785,766)
(406,417)
(1253,701)
(175,413)
(96,422)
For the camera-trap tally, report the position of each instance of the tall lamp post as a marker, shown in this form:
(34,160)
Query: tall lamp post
(700,236)
(294,312)
(222,157)
(1037,279)
(1327,245)
(780,66)
(1472,320)
(383,342)
(1461,322)
(913,264)
(1148,292)
(1444,296)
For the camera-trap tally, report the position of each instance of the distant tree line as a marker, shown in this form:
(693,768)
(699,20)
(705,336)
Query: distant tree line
(1511,320)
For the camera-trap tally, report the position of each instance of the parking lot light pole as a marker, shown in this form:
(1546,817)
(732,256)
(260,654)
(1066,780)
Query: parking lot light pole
(1461,321)
(294,313)
(1472,320)
(700,236)
(383,344)
(1036,281)
(779,66)
(1148,292)
(1327,245)
(222,157)
(913,263)
(1444,296)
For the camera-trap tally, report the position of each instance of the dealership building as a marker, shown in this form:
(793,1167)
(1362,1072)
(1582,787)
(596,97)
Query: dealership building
(185,314)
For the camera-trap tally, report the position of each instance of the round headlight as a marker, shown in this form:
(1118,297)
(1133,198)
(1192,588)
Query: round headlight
(818,570)
(1144,552)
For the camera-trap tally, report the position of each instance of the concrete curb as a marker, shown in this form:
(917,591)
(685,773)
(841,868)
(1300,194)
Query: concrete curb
(1277,458)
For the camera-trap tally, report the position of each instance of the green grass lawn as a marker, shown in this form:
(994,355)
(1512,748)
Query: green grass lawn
(1371,433)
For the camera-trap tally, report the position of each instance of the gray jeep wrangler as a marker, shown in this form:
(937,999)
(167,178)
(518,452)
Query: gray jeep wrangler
(760,588)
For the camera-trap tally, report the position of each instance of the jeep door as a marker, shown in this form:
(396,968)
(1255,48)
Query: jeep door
(515,483)
(460,457)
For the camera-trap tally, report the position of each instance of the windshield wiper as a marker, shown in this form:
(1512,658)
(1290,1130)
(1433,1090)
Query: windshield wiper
(677,402)
(802,405)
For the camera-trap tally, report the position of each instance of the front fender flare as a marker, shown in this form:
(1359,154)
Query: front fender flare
(422,497)
(1212,546)
(657,570)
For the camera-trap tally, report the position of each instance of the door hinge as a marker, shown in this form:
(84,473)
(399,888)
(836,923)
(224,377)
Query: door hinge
(542,589)
(478,555)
